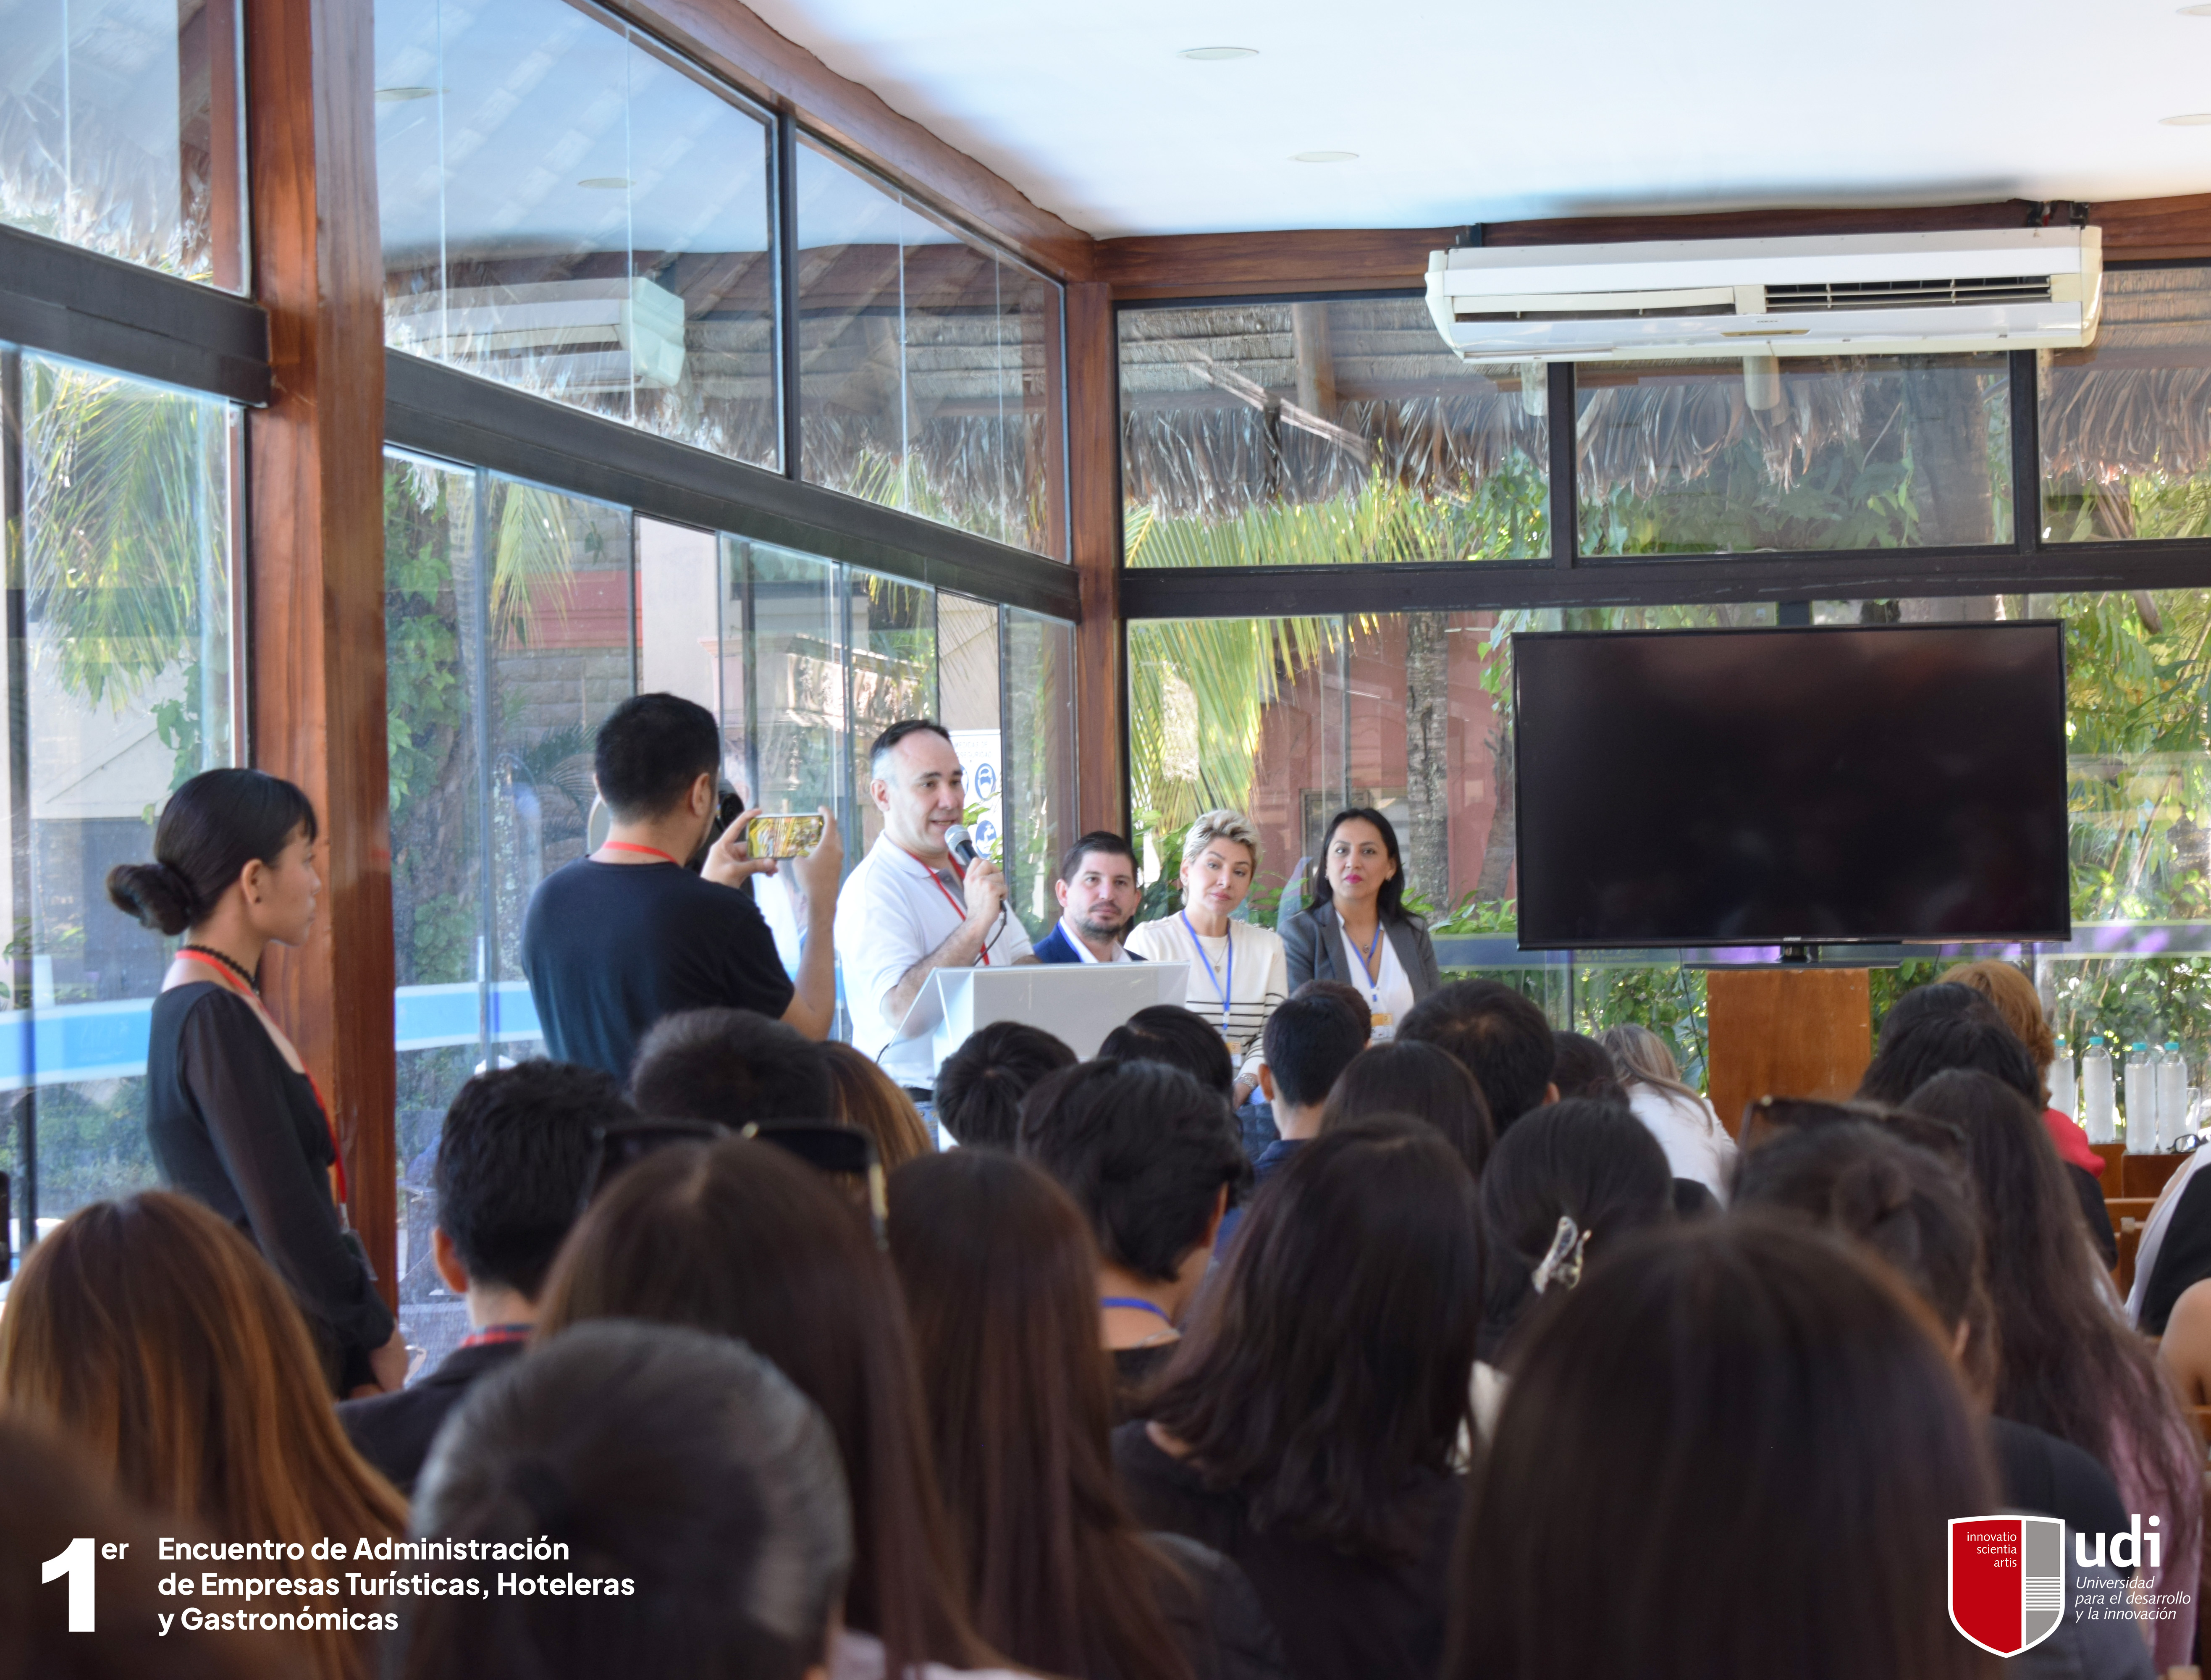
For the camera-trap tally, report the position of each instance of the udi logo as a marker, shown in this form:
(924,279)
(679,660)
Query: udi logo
(2006,1581)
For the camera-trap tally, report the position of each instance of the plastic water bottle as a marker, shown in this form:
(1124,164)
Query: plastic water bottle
(2097,1116)
(2142,1101)
(2063,1096)
(2171,1095)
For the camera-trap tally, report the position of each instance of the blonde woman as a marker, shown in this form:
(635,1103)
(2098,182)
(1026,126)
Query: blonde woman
(1239,973)
(1697,1145)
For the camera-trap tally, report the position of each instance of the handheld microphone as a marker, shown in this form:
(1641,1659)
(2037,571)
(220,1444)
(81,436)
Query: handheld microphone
(961,844)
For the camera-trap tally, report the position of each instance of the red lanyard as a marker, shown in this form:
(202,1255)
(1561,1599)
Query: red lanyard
(230,984)
(649,851)
(937,882)
(493,1334)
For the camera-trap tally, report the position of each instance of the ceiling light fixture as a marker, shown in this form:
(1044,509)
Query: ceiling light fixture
(2196,11)
(1324,157)
(394,95)
(606,182)
(2190,119)
(1208,55)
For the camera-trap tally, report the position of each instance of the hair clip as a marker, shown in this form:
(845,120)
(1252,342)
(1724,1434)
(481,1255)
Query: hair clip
(1563,1264)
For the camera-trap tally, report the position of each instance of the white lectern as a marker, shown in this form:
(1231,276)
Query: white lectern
(1077,1003)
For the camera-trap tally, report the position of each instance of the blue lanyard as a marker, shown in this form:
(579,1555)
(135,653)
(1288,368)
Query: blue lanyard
(1135,1304)
(1224,986)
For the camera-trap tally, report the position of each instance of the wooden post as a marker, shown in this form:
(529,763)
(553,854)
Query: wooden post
(316,519)
(1785,1032)
(1093,456)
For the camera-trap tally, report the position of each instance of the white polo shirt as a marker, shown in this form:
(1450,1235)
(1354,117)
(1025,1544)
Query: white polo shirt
(894,911)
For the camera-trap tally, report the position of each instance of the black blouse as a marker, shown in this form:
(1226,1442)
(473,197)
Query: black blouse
(234,1126)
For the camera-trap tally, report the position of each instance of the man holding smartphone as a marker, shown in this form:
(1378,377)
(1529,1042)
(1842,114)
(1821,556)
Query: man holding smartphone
(911,908)
(614,942)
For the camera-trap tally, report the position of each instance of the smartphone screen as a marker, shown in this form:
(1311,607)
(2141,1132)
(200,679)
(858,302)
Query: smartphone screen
(786,834)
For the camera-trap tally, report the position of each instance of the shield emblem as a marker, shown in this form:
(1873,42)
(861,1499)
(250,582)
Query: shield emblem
(2006,1581)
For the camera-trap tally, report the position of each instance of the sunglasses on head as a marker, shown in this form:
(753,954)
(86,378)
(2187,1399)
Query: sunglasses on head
(841,1151)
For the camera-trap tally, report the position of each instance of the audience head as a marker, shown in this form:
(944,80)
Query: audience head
(1500,1033)
(733,1067)
(1927,1002)
(1001,1277)
(1772,1117)
(1096,885)
(652,754)
(981,1084)
(514,1163)
(1178,1037)
(1342,990)
(53,1493)
(1584,1068)
(1360,842)
(1592,1163)
(1644,1059)
(1219,861)
(215,828)
(680,1461)
(2065,1363)
(1309,1042)
(2006,985)
(1409,1077)
(916,782)
(1936,1045)
(1332,1363)
(148,1332)
(739,1239)
(1612,1514)
(1151,1157)
(862,1096)
(1912,1209)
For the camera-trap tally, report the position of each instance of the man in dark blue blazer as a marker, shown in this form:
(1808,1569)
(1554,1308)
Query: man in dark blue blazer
(1098,899)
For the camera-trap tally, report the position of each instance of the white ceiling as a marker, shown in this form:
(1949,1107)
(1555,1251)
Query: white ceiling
(1490,110)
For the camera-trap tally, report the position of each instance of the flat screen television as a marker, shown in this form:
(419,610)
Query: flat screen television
(1877,783)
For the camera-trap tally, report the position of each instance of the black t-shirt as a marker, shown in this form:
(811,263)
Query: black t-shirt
(2043,1473)
(611,949)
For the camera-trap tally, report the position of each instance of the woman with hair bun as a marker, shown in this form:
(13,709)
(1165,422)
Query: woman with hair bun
(233,1117)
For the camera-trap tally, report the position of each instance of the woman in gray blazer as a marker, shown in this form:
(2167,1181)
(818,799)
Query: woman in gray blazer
(1357,928)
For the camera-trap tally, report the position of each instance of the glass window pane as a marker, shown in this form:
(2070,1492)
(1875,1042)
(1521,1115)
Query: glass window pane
(968,678)
(798,702)
(2126,431)
(126,680)
(509,637)
(892,671)
(683,646)
(1323,433)
(928,366)
(589,221)
(120,131)
(1864,452)
(1040,792)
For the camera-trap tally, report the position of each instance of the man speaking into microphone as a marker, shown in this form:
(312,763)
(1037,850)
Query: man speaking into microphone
(920,901)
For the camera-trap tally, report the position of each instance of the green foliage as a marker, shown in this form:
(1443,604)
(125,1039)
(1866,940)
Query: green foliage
(1846,497)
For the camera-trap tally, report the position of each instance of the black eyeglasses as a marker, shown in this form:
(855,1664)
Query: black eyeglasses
(841,1151)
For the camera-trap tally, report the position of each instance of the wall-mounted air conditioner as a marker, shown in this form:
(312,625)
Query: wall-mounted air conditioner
(2022,288)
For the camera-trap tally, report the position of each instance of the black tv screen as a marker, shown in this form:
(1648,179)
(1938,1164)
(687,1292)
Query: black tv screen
(1880,783)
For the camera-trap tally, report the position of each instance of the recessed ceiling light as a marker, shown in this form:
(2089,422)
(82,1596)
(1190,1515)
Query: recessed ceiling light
(606,182)
(394,95)
(1206,55)
(2192,120)
(1339,157)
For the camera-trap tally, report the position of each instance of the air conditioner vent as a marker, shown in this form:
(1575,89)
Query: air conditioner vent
(1787,298)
